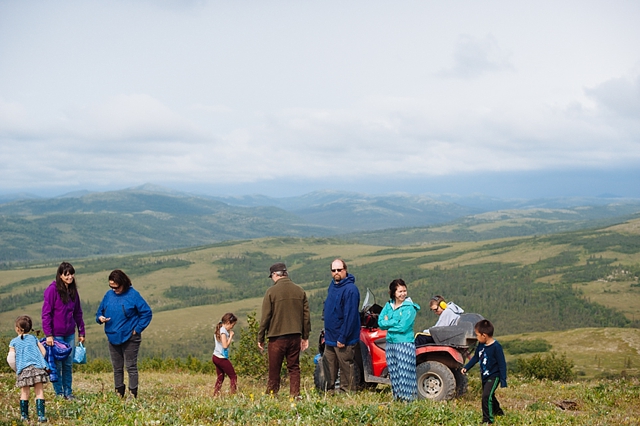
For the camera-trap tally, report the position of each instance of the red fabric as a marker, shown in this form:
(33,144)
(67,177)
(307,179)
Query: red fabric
(224,366)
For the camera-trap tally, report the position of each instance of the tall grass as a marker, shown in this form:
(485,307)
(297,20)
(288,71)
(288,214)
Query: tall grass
(187,399)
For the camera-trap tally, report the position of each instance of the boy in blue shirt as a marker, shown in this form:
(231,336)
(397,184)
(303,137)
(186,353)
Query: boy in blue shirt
(493,369)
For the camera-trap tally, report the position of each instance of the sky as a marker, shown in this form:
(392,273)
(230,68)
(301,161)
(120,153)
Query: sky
(504,98)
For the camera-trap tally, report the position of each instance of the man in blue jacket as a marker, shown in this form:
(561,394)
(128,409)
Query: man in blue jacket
(341,326)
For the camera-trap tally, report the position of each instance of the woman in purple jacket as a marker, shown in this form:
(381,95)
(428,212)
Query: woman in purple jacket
(61,314)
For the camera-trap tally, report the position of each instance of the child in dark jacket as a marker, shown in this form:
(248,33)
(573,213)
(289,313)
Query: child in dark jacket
(493,369)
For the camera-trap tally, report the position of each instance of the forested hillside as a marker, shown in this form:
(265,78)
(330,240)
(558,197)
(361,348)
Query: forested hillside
(148,219)
(554,282)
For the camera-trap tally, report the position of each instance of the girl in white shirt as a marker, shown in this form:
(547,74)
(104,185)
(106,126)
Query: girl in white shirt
(223,336)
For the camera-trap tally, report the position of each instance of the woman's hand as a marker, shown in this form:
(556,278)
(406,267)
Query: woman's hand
(49,341)
(80,339)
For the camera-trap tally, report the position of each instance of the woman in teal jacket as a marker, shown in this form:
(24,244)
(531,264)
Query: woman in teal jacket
(397,317)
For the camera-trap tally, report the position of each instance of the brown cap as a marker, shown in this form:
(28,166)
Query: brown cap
(277,267)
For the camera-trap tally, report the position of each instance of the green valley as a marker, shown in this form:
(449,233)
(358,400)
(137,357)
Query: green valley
(558,282)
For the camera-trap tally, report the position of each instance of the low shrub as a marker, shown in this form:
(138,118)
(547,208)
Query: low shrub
(94,365)
(4,343)
(550,367)
(249,361)
(246,358)
(520,346)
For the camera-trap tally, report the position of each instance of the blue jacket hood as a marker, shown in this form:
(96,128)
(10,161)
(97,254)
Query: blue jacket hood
(409,302)
(349,279)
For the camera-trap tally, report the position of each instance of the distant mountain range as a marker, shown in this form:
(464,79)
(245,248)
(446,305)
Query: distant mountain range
(152,218)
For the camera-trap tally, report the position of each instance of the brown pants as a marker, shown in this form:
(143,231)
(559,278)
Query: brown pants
(282,348)
(335,358)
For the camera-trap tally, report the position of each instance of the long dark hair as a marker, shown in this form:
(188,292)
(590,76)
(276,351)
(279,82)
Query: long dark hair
(66,292)
(226,318)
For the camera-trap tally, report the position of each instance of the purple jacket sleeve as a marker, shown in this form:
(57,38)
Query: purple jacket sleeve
(47,310)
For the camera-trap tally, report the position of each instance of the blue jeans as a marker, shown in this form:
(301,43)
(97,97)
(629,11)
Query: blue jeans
(65,368)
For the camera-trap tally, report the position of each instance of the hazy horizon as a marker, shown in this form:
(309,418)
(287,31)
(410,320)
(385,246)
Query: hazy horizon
(592,185)
(502,98)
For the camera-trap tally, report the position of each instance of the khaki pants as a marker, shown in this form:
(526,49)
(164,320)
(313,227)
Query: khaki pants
(335,358)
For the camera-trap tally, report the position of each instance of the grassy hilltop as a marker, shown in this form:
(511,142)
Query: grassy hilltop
(575,294)
(178,398)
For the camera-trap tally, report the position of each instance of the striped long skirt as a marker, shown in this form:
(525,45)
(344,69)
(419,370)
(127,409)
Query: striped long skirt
(401,360)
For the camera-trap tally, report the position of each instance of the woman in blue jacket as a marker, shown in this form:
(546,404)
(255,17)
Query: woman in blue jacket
(397,317)
(125,315)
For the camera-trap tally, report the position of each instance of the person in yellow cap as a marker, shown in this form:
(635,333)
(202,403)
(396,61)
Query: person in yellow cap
(448,314)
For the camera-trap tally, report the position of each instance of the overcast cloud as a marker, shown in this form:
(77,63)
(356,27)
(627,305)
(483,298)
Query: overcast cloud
(104,95)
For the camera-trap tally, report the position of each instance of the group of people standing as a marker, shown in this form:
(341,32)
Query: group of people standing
(285,323)
(124,313)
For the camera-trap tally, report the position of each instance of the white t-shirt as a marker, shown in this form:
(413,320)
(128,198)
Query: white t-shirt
(219,350)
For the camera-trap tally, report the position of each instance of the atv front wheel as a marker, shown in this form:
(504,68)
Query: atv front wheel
(435,381)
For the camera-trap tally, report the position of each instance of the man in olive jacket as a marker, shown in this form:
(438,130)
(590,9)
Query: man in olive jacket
(287,324)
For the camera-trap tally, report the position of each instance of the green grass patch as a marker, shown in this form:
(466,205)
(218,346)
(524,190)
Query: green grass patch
(520,346)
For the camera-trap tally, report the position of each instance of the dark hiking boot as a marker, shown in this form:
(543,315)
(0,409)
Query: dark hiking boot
(40,407)
(120,390)
(24,409)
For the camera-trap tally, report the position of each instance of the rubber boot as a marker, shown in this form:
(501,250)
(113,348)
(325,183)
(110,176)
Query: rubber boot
(40,407)
(134,392)
(24,409)
(120,390)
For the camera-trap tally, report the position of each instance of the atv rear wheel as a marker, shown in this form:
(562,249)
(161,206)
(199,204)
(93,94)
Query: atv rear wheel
(321,383)
(435,381)
(319,378)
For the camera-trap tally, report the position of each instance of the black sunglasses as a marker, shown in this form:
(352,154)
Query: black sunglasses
(337,270)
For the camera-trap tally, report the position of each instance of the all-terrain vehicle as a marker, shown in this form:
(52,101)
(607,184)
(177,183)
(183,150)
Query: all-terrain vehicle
(437,365)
